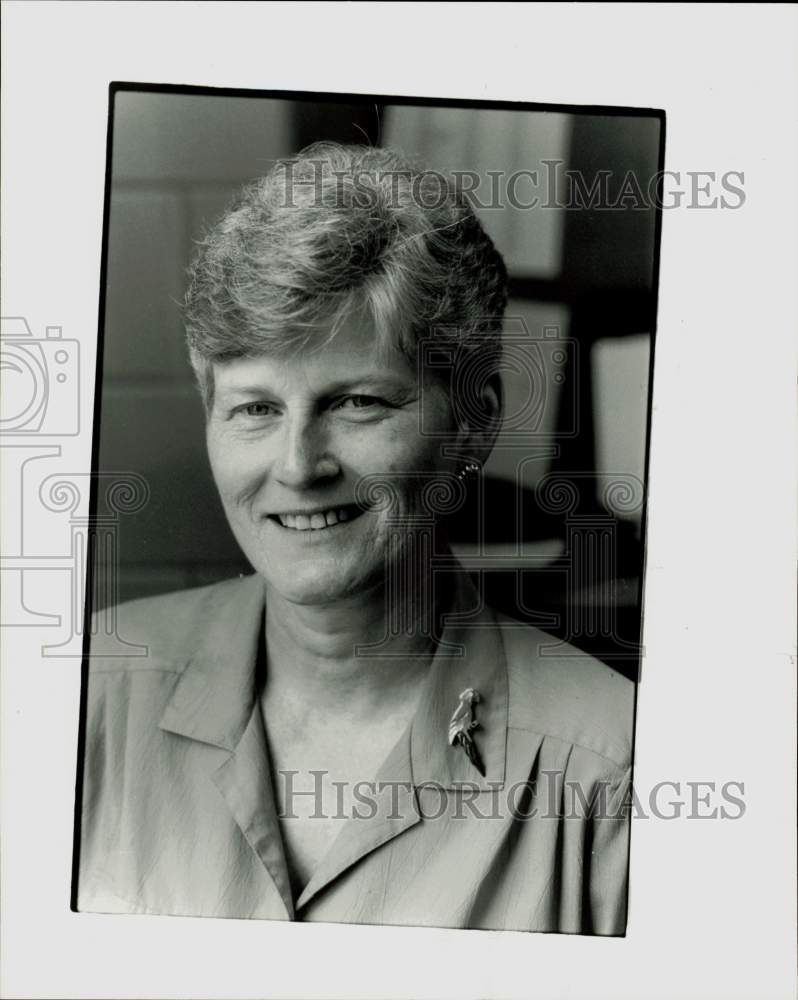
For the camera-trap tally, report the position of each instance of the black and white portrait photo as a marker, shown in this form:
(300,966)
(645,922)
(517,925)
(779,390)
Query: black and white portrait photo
(378,373)
(398,501)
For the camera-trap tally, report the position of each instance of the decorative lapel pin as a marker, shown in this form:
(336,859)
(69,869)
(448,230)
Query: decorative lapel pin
(462,724)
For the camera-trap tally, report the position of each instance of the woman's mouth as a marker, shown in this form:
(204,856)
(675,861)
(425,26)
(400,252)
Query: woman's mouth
(318,520)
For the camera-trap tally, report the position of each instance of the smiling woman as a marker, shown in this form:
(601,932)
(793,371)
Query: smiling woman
(349,734)
(290,439)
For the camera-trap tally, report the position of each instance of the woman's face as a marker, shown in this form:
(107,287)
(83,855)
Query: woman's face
(289,440)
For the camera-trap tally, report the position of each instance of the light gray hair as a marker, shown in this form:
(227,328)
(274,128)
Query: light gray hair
(337,228)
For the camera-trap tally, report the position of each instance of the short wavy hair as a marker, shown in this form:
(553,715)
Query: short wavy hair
(333,229)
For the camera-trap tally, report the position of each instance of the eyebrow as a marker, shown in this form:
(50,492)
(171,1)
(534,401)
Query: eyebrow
(374,382)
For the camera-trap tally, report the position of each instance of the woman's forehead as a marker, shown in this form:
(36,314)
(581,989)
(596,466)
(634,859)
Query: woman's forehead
(320,369)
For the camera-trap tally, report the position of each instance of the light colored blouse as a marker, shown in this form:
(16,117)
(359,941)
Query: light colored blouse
(179,815)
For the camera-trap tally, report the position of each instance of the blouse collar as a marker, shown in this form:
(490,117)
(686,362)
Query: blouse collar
(215,697)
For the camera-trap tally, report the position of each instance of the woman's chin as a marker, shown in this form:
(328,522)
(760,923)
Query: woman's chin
(315,587)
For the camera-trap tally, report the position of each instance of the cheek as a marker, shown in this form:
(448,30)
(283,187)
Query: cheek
(235,473)
(397,448)
(402,461)
(408,465)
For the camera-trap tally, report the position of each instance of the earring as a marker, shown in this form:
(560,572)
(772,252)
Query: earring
(468,470)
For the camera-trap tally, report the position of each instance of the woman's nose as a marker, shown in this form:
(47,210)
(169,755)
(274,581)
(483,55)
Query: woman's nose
(302,457)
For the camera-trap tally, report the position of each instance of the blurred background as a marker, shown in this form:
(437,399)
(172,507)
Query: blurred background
(554,533)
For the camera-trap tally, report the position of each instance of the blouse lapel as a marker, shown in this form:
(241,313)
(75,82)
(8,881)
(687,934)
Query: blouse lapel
(215,702)
(471,655)
(387,809)
(245,782)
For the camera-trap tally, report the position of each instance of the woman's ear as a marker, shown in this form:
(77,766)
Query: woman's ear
(483,421)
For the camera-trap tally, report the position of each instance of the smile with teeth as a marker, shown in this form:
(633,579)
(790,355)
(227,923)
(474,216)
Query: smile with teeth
(318,521)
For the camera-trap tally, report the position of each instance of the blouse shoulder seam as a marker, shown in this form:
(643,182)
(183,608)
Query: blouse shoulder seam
(619,766)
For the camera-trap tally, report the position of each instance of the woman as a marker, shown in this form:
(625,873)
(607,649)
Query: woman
(349,734)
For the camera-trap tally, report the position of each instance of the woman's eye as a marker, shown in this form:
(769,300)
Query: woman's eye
(257,410)
(360,402)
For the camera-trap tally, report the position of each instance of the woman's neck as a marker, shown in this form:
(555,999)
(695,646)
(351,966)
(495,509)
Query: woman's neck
(347,652)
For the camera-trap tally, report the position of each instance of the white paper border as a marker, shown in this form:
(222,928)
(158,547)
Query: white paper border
(712,906)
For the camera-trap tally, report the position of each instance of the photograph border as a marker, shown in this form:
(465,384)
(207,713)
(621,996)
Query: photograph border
(712,906)
(316,97)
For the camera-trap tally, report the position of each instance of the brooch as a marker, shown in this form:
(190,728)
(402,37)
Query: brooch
(462,724)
